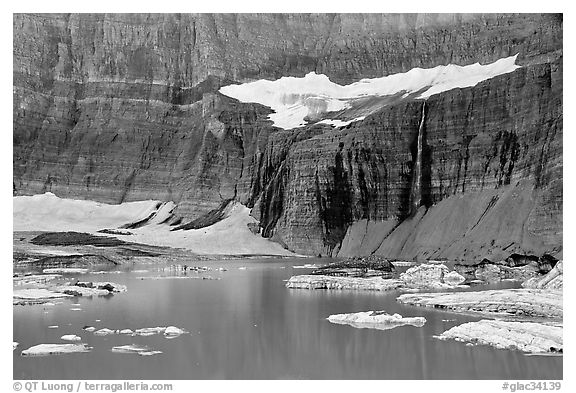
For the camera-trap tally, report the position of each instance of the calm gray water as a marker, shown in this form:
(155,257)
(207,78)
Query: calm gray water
(249,326)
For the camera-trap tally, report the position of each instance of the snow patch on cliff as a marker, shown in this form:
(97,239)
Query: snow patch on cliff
(295,99)
(47,212)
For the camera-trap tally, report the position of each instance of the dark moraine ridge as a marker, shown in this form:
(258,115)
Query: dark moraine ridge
(125,107)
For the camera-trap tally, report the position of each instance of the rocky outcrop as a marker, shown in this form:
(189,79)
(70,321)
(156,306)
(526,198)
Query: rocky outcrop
(125,107)
(515,267)
(517,302)
(357,267)
(523,336)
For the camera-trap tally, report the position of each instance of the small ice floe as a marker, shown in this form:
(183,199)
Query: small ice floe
(403,263)
(14,345)
(135,349)
(376,320)
(71,337)
(53,327)
(173,331)
(169,332)
(35,279)
(55,349)
(75,309)
(65,270)
(49,304)
(140,271)
(89,328)
(222,269)
(454,278)
(35,296)
(307,266)
(104,332)
(242,268)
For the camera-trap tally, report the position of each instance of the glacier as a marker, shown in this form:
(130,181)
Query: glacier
(295,100)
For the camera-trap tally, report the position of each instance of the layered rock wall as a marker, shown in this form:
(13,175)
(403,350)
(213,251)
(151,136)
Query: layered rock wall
(125,107)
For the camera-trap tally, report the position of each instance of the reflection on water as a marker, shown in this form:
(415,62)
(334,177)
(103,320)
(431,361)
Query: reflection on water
(249,326)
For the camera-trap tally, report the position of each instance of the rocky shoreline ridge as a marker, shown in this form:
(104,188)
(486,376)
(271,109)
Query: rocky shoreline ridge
(528,319)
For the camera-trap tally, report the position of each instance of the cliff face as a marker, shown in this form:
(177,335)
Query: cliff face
(125,107)
(491,176)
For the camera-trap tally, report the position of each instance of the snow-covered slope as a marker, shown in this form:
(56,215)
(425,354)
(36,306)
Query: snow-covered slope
(294,99)
(231,235)
(47,212)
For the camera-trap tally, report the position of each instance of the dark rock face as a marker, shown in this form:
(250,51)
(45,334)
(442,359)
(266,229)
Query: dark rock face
(125,107)
(371,266)
(75,239)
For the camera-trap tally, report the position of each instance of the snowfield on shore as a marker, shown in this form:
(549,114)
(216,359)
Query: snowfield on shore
(230,236)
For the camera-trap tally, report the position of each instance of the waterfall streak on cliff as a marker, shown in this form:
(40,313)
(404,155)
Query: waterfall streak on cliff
(416,190)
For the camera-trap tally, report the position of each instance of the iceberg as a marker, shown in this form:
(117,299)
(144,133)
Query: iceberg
(376,320)
(55,349)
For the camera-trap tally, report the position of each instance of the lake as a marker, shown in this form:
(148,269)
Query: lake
(248,325)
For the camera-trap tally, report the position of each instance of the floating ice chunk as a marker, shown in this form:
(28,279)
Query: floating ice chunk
(14,345)
(104,332)
(149,353)
(376,320)
(135,349)
(89,328)
(307,266)
(149,331)
(403,263)
(55,349)
(53,327)
(173,331)
(126,331)
(35,295)
(75,309)
(524,336)
(454,278)
(71,337)
(65,270)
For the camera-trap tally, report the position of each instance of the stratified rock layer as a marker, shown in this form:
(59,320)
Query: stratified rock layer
(125,107)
